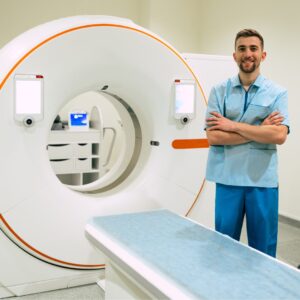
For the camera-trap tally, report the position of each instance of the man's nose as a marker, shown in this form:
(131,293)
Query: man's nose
(247,52)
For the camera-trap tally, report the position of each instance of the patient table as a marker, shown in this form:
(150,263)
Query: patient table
(158,254)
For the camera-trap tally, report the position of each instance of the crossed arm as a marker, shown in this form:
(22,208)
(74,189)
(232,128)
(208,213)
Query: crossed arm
(222,131)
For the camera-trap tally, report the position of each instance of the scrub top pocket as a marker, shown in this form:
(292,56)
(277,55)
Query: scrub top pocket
(255,114)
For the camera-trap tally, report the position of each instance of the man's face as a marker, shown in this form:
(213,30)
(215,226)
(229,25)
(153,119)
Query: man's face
(248,54)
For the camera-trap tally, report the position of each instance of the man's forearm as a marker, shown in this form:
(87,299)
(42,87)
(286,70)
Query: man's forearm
(219,137)
(269,132)
(265,134)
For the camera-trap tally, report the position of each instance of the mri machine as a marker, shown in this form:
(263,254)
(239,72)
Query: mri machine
(123,81)
(161,162)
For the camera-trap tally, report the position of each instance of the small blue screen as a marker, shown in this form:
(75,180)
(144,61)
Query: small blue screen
(78,119)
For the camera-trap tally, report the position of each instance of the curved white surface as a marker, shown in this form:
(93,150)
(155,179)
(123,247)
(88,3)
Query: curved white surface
(76,55)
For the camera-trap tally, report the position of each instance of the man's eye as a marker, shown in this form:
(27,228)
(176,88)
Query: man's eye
(253,49)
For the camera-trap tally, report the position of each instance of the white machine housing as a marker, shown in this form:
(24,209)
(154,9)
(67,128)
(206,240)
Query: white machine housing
(42,221)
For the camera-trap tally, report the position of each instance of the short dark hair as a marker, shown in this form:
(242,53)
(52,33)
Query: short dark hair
(249,33)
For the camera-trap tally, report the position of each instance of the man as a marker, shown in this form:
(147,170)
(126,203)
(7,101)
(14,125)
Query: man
(246,117)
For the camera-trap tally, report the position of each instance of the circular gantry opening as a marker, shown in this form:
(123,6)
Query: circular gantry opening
(94,142)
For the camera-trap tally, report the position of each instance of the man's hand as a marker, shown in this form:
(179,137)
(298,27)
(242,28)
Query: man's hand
(219,122)
(275,118)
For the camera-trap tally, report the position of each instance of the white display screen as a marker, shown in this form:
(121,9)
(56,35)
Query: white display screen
(28,97)
(184,98)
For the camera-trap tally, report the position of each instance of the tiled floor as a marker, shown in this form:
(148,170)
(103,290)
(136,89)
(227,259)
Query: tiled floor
(288,246)
(288,250)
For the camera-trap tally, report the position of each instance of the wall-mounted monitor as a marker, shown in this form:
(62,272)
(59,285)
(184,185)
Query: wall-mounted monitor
(28,96)
(184,100)
(78,120)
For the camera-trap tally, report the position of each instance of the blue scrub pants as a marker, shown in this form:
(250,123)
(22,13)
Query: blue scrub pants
(260,205)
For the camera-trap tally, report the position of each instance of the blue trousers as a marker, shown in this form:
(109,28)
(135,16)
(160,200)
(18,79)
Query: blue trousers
(260,205)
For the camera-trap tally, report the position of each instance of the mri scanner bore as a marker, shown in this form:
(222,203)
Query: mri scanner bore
(87,141)
(88,135)
(56,180)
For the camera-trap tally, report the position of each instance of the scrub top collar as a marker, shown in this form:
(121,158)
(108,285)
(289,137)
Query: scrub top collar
(237,83)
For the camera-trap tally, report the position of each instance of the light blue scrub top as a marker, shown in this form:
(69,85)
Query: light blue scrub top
(250,164)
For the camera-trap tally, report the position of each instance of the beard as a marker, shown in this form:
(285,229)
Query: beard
(250,69)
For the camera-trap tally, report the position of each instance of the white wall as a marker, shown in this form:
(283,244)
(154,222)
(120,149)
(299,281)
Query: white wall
(174,20)
(16,16)
(199,26)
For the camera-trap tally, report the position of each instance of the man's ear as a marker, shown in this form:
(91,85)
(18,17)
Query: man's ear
(264,55)
(234,56)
